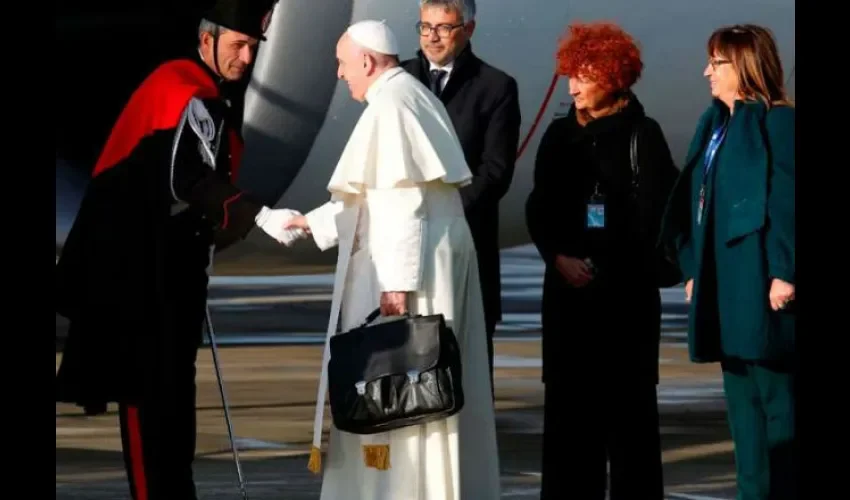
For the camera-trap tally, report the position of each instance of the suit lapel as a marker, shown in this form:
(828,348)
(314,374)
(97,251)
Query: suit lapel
(455,81)
(465,65)
(419,69)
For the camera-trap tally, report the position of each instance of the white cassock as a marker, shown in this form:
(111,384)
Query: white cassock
(396,215)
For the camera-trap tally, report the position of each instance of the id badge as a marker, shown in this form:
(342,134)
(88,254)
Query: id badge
(596,213)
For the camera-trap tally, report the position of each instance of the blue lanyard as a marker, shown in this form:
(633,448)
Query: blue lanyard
(711,150)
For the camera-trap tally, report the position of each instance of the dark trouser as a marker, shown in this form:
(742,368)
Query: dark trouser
(588,424)
(600,369)
(760,401)
(159,432)
(158,437)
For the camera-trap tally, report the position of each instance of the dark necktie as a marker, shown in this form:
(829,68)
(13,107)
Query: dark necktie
(437,77)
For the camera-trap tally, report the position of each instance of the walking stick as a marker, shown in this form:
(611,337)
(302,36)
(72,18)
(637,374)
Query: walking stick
(224,404)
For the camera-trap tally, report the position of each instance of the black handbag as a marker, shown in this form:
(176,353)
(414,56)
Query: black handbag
(667,271)
(394,374)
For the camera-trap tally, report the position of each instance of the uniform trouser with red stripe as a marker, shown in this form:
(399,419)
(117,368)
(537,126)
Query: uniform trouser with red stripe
(158,437)
(159,432)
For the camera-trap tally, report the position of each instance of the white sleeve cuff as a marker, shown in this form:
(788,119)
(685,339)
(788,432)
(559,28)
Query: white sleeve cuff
(322,222)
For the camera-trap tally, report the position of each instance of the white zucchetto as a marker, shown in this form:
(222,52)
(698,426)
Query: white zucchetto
(374,35)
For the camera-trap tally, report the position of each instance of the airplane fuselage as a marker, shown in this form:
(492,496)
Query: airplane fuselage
(297,115)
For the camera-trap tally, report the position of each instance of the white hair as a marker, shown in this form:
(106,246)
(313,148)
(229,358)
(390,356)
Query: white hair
(207,26)
(381,60)
(465,7)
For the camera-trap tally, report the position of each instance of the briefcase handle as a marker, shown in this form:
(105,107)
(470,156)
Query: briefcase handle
(371,317)
(374,315)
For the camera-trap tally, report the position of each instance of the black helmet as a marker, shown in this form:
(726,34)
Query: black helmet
(250,17)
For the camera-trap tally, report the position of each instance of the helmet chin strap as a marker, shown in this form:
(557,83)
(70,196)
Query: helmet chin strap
(222,81)
(214,55)
(216,33)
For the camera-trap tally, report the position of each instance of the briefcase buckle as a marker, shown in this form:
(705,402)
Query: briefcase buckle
(361,387)
(413,376)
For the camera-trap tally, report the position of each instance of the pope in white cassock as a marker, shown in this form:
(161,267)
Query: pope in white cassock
(404,245)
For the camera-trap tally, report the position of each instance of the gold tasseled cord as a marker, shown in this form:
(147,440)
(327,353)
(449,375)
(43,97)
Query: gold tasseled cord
(315,463)
(377,456)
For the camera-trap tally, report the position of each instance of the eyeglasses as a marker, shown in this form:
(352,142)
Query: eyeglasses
(715,63)
(443,30)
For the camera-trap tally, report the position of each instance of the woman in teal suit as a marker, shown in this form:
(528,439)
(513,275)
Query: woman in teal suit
(731,218)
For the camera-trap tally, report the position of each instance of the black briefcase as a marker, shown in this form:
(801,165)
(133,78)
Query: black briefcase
(394,374)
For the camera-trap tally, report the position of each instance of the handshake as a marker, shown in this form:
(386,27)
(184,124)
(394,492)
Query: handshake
(277,223)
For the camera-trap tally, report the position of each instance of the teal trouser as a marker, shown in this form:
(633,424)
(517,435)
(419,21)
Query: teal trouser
(760,400)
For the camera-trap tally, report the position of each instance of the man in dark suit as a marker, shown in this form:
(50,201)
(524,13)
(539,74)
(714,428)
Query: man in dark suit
(483,103)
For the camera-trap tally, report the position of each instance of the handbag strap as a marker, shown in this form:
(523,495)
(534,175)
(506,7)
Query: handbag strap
(633,154)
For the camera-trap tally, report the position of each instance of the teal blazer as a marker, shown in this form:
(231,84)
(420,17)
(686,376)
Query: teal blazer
(747,237)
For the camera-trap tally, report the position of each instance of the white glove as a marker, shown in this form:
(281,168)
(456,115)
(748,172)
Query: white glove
(272,221)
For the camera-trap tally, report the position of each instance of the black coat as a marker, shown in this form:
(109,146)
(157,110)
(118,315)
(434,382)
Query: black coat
(131,277)
(483,103)
(617,316)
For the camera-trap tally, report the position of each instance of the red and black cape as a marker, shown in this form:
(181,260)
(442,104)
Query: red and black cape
(110,275)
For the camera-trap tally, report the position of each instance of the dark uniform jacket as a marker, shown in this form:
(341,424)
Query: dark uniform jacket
(132,273)
(483,103)
(747,238)
(616,316)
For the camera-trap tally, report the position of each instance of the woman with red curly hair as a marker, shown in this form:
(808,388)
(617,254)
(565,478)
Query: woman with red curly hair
(594,222)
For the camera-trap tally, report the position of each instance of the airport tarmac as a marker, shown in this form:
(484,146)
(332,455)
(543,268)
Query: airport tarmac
(271,391)
(271,329)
